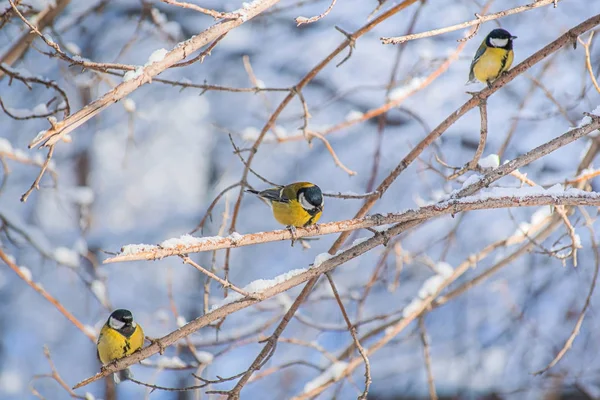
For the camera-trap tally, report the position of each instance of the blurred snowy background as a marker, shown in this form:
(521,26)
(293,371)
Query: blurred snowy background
(146,169)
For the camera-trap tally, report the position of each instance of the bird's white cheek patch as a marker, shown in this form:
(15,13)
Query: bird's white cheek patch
(115,323)
(305,204)
(499,42)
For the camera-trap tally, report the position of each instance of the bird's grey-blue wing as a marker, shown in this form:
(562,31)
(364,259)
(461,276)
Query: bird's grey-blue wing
(478,55)
(275,194)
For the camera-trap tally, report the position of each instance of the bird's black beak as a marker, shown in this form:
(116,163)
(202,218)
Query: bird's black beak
(514,37)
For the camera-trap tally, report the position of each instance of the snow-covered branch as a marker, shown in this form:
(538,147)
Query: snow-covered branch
(493,198)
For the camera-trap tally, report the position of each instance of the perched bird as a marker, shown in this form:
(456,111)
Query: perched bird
(119,337)
(295,205)
(494,56)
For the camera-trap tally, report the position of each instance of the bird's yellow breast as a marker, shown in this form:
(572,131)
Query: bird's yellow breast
(492,63)
(112,345)
(293,214)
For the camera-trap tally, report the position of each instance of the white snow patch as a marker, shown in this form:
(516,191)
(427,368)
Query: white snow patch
(204,357)
(170,362)
(82,195)
(89,396)
(491,161)
(470,180)
(320,259)
(431,286)
(285,300)
(181,321)
(444,269)
(6,147)
(66,257)
(90,330)
(250,133)
(129,105)
(159,17)
(234,236)
(334,372)
(354,114)
(132,74)
(11,382)
(99,289)
(156,56)
(73,48)
(188,241)
(413,306)
(258,286)
(132,249)
(40,109)
(26,272)
(405,90)
(359,241)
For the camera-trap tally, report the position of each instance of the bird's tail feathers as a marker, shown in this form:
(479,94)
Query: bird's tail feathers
(122,375)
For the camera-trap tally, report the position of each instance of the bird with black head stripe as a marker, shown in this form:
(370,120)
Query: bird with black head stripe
(119,337)
(494,57)
(295,205)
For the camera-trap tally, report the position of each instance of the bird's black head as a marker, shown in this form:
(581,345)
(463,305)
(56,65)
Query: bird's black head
(121,320)
(500,38)
(311,199)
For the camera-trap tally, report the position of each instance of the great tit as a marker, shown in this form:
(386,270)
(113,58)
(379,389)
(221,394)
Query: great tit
(295,205)
(119,337)
(494,56)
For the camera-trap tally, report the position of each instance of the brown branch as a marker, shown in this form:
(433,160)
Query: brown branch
(479,20)
(38,288)
(178,53)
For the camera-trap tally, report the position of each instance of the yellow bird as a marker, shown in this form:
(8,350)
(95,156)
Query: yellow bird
(119,337)
(494,56)
(295,205)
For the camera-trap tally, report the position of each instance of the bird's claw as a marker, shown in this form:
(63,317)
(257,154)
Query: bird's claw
(292,230)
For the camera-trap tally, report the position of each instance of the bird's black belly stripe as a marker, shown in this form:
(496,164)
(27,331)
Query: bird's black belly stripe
(503,63)
(126,348)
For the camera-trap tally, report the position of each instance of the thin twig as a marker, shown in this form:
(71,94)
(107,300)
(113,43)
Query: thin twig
(577,327)
(427,355)
(336,159)
(352,330)
(38,288)
(212,13)
(206,272)
(475,22)
(588,59)
(36,183)
(304,20)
